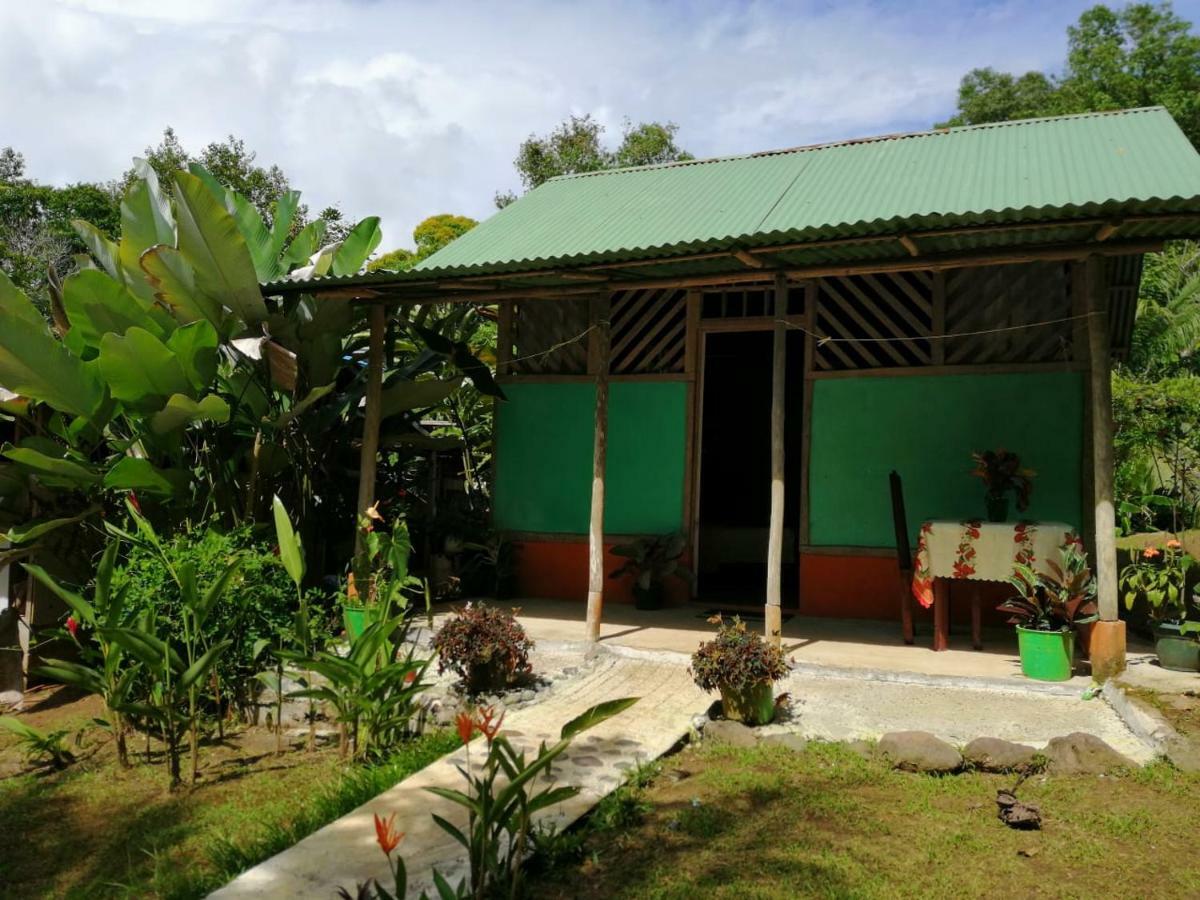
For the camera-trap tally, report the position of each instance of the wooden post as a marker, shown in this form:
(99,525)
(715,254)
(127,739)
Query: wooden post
(1107,640)
(775,535)
(504,337)
(370,438)
(598,358)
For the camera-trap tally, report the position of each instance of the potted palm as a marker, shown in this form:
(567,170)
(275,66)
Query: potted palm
(743,668)
(651,560)
(1002,474)
(1047,609)
(1159,577)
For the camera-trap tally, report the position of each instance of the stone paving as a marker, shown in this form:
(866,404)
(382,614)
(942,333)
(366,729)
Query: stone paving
(345,851)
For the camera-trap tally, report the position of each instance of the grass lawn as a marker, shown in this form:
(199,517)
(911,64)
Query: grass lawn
(95,830)
(767,822)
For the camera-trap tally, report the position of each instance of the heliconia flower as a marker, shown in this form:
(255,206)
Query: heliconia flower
(1174,544)
(1151,552)
(134,502)
(72,625)
(465,723)
(386,833)
(489,723)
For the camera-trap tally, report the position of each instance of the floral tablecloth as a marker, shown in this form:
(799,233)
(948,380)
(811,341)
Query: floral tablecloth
(984,551)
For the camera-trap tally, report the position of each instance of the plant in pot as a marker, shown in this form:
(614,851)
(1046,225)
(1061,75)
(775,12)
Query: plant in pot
(651,560)
(743,668)
(1002,474)
(1159,577)
(485,646)
(1048,607)
(379,572)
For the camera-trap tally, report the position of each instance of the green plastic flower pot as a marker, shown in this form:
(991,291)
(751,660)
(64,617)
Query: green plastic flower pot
(355,618)
(1176,651)
(752,704)
(1046,655)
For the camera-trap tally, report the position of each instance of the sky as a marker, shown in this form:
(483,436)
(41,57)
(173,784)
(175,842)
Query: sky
(404,110)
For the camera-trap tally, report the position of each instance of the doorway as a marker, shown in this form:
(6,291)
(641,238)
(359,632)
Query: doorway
(735,468)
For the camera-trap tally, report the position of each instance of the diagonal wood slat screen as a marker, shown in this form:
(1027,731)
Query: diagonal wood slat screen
(649,331)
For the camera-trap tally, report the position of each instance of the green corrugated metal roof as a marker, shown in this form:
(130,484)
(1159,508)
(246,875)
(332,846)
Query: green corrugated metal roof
(1116,163)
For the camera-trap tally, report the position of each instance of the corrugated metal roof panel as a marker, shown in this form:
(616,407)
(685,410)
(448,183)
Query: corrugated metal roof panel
(1127,162)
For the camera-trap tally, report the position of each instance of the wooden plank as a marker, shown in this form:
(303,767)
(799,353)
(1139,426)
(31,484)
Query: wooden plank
(595,603)
(692,339)
(938,345)
(645,345)
(909,244)
(373,416)
(830,550)
(697,456)
(772,613)
(748,259)
(812,290)
(981,369)
(1100,381)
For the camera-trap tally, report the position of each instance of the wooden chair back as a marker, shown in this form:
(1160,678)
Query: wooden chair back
(904,555)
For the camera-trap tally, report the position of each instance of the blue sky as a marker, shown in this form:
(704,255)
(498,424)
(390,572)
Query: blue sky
(408,109)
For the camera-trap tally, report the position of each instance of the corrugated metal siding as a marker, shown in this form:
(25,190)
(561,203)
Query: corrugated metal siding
(1135,161)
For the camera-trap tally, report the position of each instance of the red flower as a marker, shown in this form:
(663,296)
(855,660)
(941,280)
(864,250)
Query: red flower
(386,833)
(72,625)
(410,677)
(133,500)
(465,723)
(489,723)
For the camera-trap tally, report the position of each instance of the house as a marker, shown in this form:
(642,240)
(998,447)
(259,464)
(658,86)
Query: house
(743,348)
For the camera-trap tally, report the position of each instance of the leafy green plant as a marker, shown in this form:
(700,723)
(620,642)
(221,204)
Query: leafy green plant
(1056,600)
(1002,473)
(40,747)
(1159,578)
(484,645)
(651,560)
(736,658)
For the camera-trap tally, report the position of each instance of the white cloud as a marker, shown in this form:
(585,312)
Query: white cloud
(407,109)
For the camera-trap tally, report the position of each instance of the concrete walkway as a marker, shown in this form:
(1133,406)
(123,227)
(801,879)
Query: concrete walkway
(345,851)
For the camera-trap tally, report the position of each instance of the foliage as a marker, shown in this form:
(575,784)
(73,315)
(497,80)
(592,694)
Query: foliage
(1166,332)
(736,658)
(651,560)
(1001,471)
(1157,452)
(1160,578)
(379,573)
(430,236)
(478,635)
(40,747)
(1056,600)
(1140,55)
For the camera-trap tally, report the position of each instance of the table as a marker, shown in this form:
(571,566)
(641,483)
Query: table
(973,550)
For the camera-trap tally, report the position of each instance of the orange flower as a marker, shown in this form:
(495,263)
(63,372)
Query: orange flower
(1173,544)
(488,722)
(386,833)
(410,677)
(466,725)
(1151,552)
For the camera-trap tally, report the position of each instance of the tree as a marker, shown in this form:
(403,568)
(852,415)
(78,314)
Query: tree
(1141,55)
(430,236)
(12,165)
(1166,333)
(575,146)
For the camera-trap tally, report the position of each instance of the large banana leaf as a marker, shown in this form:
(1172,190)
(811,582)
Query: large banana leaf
(146,218)
(15,303)
(174,284)
(140,369)
(357,246)
(409,395)
(210,240)
(182,411)
(304,244)
(195,346)
(96,304)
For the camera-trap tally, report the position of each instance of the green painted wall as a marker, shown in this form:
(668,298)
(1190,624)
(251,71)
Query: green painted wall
(544,457)
(926,428)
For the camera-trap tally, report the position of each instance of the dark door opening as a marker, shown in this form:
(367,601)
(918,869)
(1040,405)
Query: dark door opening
(735,468)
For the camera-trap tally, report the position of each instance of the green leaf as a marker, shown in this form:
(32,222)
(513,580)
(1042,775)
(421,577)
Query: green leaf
(312,397)
(36,528)
(594,716)
(97,305)
(71,673)
(15,302)
(146,217)
(217,589)
(174,284)
(140,369)
(200,667)
(35,365)
(51,470)
(103,249)
(210,240)
(74,601)
(291,553)
(357,246)
(195,345)
(284,213)
(304,244)
(131,474)
(182,411)
(409,395)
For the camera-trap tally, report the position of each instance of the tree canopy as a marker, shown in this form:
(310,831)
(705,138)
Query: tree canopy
(1141,55)
(430,236)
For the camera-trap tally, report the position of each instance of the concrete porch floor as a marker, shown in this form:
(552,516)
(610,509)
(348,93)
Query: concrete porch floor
(819,642)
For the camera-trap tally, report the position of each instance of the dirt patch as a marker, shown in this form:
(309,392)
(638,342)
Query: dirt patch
(1181,710)
(768,822)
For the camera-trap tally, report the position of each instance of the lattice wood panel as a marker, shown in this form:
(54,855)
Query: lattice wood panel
(539,326)
(737,303)
(987,304)
(648,331)
(878,321)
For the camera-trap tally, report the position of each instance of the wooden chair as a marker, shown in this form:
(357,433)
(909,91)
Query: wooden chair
(904,557)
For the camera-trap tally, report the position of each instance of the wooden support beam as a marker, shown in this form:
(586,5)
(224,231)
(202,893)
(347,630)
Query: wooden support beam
(747,258)
(909,244)
(374,414)
(1105,231)
(773,613)
(599,355)
(504,337)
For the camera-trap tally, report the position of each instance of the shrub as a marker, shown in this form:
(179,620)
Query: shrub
(736,658)
(481,644)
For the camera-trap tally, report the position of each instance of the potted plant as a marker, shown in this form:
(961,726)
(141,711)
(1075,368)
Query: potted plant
(485,646)
(1002,474)
(743,668)
(1046,611)
(1160,578)
(379,572)
(651,560)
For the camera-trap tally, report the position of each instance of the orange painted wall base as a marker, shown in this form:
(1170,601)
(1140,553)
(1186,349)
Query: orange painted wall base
(558,570)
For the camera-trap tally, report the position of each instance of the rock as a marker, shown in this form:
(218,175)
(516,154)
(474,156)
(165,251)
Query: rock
(1015,814)
(527,696)
(996,755)
(700,721)
(1184,702)
(790,740)
(1184,754)
(919,751)
(1083,754)
(726,731)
